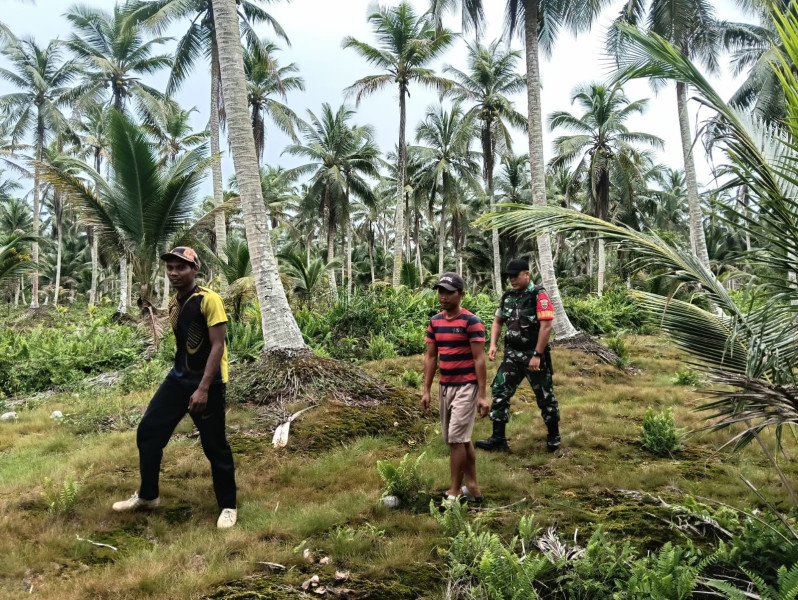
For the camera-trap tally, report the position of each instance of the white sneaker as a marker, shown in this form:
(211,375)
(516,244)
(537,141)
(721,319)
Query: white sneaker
(227,519)
(136,503)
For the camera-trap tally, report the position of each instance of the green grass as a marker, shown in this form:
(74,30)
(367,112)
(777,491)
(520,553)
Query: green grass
(328,498)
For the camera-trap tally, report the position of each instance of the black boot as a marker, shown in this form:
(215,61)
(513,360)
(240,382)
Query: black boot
(496,441)
(553,437)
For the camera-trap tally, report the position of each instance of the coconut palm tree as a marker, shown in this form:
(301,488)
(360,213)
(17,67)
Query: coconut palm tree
(143,205)
(15,259)
(407,43)
(538,24)
(307,276)
(115,54)
(42,79)
(200,41)
(491,77)
(266,79)
(172,133)
(340,156)
(694,30)
(279,327)
(600,144)
(445,166)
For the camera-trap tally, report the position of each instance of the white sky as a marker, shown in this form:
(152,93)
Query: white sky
(316,28)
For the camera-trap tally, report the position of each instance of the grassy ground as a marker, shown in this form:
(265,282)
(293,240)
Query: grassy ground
(326,498)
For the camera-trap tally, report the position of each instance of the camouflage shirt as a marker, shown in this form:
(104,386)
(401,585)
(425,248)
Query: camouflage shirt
(522,311)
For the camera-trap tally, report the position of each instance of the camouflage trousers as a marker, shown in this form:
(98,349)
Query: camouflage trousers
(509,376)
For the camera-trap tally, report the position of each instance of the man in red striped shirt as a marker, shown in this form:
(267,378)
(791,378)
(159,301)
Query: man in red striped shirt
(458,337)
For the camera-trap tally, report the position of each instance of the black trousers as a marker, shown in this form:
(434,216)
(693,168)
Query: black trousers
(167,407)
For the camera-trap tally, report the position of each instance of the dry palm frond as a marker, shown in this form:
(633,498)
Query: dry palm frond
(555,549)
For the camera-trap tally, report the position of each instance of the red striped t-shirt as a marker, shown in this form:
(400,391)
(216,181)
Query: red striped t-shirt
(453,338)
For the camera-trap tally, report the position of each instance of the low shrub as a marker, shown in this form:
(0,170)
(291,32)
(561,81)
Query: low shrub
(62,499)
(660,434)
(412,378)
(687,377)
(614,311)
(402,481)
(618,345)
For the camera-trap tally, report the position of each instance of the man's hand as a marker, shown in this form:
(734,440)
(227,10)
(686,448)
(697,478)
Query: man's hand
(492,353)
(483,406)
(534,363)
(198,401)
(425,402)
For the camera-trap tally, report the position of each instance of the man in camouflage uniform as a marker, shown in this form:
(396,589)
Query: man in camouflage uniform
(529,315)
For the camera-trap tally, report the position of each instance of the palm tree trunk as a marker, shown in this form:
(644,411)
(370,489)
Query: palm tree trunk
(562,325)
(165,298)
(698,239)
(130,283)
(349,285)
(487,158)
(34,301)
(441,240)
(371,254)
(59,242)
(95,243)
(399,217)
(602,267)
(22,291)
(330,248)
(280,331)
(220,224)
(17,287)
(123,292)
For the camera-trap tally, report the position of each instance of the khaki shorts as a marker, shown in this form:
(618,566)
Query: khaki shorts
(458,407)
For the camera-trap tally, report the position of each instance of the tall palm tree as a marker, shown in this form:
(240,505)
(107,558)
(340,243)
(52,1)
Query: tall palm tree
(265,80)
(537,22)
(407,43)
(445,165)
(279,327)
(115,54)
(307,275)
(692,28)
(490,79)
(340,156)
(200,41)
(14,257)
(42,79)
(92,126)
(664,209)
(601,143)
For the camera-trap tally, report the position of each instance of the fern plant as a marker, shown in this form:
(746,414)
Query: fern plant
(62,499)
(787,586)
(402,481)
(670,574)
(660,434)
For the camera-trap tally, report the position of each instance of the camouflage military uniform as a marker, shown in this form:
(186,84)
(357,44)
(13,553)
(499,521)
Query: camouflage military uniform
(521,312)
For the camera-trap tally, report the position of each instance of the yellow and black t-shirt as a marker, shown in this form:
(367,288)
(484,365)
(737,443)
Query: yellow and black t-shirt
(190,319)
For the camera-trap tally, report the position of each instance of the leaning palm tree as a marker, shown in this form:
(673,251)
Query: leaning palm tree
(490,79)
(747,351)
(600,144)
(407,44)
(279,327)
(693,29)
(199,41)
(42,79)
(537,22)
(266,80)
(446,166)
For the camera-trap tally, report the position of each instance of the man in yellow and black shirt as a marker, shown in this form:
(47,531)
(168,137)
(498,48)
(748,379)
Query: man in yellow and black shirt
(196,384)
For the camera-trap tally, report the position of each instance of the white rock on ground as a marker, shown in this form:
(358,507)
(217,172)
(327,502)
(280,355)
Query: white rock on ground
(391,501)
(56,414)
(9,416)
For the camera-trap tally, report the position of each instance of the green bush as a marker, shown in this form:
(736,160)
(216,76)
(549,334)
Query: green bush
(402,481)
(412,378)
(660,434)
(379,348)
(63,354)
(618,345)
(615,310)
(687,377)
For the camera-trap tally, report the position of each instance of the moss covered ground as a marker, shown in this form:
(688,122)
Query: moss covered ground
(322,492)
